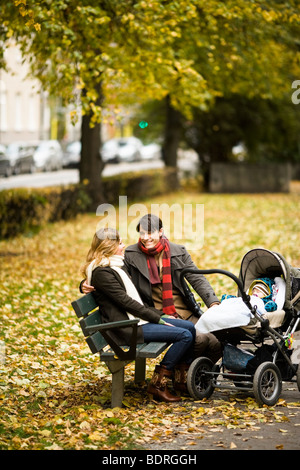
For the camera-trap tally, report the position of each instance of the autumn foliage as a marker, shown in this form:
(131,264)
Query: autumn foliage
(55,395)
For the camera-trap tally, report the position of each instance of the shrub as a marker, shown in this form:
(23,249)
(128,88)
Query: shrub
(140,185)
(23,210)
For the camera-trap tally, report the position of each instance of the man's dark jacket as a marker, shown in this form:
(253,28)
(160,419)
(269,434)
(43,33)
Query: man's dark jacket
(136,264)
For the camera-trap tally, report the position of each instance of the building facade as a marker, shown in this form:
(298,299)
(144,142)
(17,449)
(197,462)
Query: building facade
(24,110)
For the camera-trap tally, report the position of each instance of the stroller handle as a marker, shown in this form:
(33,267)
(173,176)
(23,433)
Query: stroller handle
(245,297)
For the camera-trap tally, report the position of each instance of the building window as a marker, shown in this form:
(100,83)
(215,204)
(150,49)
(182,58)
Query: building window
(18,112)
(3,106)
(32,113)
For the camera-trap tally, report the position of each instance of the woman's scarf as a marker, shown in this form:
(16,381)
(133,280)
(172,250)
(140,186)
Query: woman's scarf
(116,262)
(129,286)
(167,295)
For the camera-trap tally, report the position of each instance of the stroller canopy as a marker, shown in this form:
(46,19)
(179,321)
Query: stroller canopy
(264,263)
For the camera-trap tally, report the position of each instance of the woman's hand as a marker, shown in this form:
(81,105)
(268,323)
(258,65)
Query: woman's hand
(163,322)
(86,288)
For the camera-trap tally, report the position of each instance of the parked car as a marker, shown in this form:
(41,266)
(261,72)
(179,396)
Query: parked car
(18,158)
(109,151)
(129,149)
(151,152)
(71,157)
(22,155)
(5,168)
(48,156)
(123,149)
(9,159)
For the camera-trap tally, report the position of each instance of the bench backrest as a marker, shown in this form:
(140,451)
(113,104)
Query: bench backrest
(88,312)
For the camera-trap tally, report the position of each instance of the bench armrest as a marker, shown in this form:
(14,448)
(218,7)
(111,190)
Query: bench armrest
(103,328)
(111,325)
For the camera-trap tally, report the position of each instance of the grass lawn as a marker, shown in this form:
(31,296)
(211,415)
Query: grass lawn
(54,394)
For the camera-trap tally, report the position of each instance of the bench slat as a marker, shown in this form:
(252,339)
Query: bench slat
(152,349)
(109,354)
(96,342)
(84,305)
(93,319)
(146,350)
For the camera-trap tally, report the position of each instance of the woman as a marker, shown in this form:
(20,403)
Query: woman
(116,294)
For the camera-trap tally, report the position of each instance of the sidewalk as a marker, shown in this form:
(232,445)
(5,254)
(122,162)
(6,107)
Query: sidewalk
(274,428)
(281,433)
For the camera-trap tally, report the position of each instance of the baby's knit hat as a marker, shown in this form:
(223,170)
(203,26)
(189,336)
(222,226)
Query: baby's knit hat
(261,286)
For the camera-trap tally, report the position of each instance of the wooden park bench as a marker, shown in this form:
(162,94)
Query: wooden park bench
(115,357)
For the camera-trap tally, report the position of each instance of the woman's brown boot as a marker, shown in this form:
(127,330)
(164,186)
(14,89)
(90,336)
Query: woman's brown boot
(180,376)
(158,385)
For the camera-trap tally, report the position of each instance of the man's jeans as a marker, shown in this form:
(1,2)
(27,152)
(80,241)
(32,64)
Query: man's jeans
(181,336)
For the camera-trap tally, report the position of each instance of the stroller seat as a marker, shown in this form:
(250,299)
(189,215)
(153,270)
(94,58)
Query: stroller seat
(276,320)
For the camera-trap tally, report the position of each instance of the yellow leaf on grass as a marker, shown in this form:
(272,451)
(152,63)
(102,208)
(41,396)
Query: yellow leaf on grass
(35,365)
(85,426)
(54,447)
(95,436)
(45,432)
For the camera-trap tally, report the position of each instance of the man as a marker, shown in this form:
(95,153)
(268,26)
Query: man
(154,265)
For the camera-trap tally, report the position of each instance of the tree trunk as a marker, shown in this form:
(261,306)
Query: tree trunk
(91,165)
(172,134)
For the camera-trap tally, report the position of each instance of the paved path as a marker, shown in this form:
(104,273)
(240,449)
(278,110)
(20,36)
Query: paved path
(278,429)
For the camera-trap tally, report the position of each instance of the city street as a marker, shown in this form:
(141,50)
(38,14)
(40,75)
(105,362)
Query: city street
(69,176)
(187,162)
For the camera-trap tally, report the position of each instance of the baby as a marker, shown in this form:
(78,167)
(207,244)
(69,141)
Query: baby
(265,289)
(233,312)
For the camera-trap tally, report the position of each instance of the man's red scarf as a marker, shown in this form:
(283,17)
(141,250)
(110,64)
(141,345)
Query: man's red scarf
(167,294)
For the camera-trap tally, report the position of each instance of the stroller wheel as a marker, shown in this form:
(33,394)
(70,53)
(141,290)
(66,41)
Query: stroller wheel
(199,382)
(267,384)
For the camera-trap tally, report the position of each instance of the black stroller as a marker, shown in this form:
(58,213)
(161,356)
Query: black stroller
(262,368)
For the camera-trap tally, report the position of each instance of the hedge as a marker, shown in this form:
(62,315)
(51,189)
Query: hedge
(140,185)
(27,210)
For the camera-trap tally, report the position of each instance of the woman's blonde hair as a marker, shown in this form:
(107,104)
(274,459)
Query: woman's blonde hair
(104,244)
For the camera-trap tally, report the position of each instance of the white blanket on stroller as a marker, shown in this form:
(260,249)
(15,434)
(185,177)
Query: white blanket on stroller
(231,313)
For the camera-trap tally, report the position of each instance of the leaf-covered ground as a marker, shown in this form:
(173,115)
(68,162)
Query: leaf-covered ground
(55,395)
